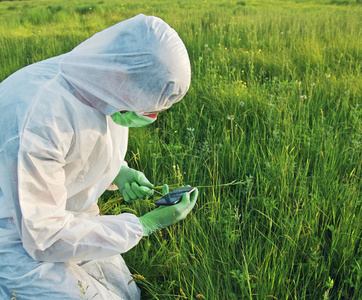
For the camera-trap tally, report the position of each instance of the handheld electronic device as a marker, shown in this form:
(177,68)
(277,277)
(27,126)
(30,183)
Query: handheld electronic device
(174,197)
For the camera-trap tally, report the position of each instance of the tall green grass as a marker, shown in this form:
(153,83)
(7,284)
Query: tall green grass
(275,105)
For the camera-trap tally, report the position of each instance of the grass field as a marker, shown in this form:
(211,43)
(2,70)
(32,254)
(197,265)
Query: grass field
(270,131)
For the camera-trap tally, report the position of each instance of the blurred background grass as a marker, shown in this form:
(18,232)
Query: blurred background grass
(275,104)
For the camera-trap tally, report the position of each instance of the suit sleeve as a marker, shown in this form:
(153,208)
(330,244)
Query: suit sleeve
(49,232)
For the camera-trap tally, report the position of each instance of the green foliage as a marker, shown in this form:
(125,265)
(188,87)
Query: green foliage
(275,103)
(87,9)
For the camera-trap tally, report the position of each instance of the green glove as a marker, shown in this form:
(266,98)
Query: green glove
(164,216)
(133,184)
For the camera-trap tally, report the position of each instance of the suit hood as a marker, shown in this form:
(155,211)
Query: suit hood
(140,65)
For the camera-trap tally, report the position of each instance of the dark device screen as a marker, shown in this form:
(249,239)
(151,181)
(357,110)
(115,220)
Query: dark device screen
(174,197)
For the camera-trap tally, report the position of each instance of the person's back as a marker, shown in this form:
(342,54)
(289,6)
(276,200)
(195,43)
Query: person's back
(17,94)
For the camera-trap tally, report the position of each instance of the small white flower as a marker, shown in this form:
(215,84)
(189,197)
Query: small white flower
(190,129)
(241,103)
(303,97)
(231,117)
(328,75)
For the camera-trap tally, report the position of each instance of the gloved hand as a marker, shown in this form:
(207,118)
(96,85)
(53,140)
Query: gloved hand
(164,216)
(133,184)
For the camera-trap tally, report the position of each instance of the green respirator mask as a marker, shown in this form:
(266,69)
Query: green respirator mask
(131,119)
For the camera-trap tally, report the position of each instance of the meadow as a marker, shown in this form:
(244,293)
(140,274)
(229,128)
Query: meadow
(270,131)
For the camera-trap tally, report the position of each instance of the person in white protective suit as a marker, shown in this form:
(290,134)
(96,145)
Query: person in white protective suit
(63,138)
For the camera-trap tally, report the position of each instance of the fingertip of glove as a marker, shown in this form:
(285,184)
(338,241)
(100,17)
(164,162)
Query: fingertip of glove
(126,197)
(186,196)
(194,194)
(147,184)
(165,189)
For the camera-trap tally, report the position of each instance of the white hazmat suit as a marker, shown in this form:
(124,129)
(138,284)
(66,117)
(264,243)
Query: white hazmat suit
(60,150)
